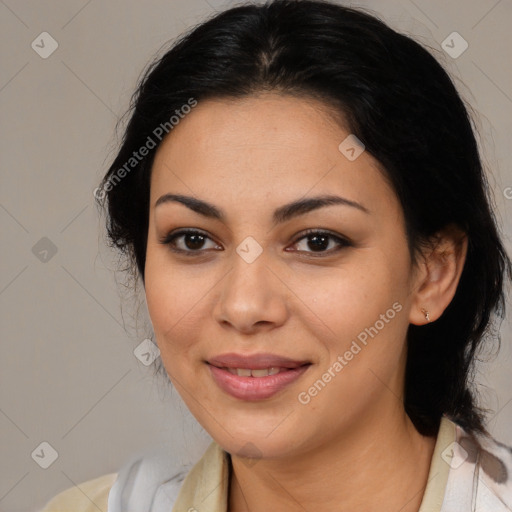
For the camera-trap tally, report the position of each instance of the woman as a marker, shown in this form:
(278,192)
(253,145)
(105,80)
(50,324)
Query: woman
(300,191)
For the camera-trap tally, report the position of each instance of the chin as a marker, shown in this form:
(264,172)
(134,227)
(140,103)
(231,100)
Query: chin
(267,441)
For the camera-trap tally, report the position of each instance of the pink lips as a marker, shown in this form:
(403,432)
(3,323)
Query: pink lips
(255,388)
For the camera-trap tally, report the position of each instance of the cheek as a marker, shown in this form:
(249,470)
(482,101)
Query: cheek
(179,301)
(351,296)
(363,303)
(170,299)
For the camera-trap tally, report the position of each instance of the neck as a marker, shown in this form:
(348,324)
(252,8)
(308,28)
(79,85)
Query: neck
(380,464)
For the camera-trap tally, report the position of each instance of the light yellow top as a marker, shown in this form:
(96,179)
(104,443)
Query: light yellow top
(205,487)
(90,496)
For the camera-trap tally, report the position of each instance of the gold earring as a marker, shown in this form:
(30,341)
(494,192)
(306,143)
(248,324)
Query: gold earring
(427,316)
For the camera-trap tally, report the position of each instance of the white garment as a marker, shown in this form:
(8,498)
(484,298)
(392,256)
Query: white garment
(146,483)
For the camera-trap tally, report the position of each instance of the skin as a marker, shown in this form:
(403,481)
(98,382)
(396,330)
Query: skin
(352,446)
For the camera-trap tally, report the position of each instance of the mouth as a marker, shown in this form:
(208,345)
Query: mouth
(255,362)
(255,377)
(253,372)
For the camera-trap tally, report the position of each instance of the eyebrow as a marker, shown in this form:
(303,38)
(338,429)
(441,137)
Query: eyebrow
(281,214)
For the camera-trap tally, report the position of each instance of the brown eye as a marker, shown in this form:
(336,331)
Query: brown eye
(193,241)
(189,242)
(321,242)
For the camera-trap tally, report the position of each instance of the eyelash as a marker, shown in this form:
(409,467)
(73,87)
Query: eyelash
(170,238)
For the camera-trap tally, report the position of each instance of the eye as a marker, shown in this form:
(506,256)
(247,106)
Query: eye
(192,242)
(321,242)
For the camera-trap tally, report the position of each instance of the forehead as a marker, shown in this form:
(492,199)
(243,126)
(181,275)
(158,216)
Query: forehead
(265,146)
(268,122)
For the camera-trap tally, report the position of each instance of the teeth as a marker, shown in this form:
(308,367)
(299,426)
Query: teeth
(260,373)
(247,372)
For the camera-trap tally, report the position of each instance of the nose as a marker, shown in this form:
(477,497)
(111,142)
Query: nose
(252,296)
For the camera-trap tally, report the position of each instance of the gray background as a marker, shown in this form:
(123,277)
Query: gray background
(68,372)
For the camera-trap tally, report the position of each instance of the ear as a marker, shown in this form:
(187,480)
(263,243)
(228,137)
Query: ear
(437,275)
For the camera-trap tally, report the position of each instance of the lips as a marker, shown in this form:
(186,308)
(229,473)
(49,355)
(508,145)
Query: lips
(255,377)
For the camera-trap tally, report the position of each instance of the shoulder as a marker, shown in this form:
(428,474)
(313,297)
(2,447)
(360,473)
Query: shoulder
(480,472)
(148,481)
(89,496)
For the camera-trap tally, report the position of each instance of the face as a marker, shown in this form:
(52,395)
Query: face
(322,292)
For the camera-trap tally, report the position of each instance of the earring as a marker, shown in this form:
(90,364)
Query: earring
(427,316)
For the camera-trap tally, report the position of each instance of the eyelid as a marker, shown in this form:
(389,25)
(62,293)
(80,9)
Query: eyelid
(321,231)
